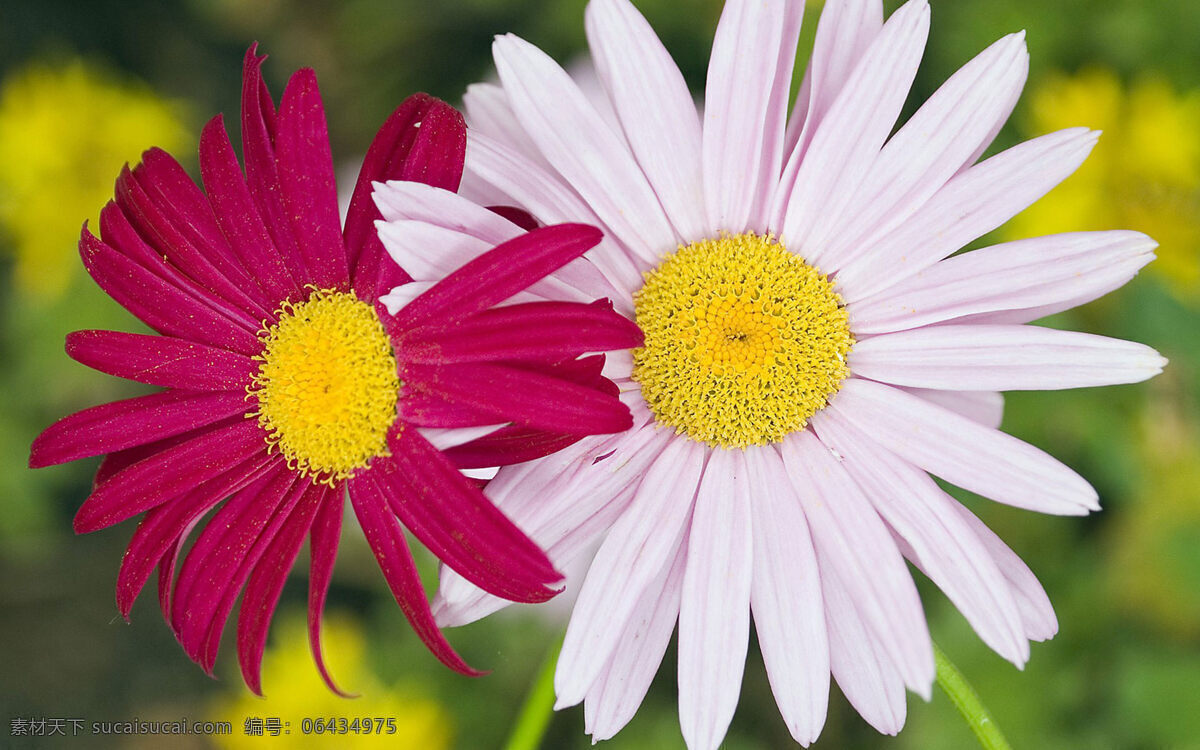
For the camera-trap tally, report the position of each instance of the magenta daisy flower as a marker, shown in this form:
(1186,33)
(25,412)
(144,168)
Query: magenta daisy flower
(288,384)
(812,353)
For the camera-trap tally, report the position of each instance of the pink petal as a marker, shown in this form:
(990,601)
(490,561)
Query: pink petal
(984,407)
(170,473)
(963,452)
(131,422)
(266,584)
(1001,358)
(386,538)
(847,144)
(457,523)
(970,205)
(934,536)
(931,148)
(1030,278)
(785,598)
(714,613)
(490,114)
(851,539)
(641,544)
(618,692)
(161,360)
(307,186)
(655,108)
(573,137)
(323,548)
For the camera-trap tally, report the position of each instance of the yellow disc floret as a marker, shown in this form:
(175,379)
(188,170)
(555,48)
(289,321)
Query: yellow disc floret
(744,341)
(327,385)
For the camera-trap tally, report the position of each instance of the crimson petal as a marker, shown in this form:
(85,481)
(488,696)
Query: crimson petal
(162,360)
(323,548)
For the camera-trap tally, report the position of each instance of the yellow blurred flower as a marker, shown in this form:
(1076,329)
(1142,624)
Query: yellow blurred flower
(296,698)
(1144,174)
(64,133)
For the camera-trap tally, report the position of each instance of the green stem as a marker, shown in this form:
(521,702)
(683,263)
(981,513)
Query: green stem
(538,709)
(964,698)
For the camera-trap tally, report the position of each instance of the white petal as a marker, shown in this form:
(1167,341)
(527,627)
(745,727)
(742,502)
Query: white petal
(714,613)
(850,537)
(844,33)
(640,545)
(931,147)
(426,251)
(848,141)
(1024,277)
(443,438)
(400,296)
(1037,614)
(551,201)
(967,207)
(573,137)
(618,692)
(655,109)
(937,539)
(984,407)
(1001,358)
(489,113)
(737,98)
(863,668)
(785,597)
(963,452)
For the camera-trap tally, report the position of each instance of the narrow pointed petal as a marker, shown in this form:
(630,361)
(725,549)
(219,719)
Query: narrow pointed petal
(323,547)
(846,146)
(968,206)
(386,539)
(308,188)
(655,108)
(457,523)
(573,137)
(1001,358)
(850,537)
(168,474)
(937,539)
(1021,281)
(618,692)
(642,543)
(785,597)
(135,421)
(963,452)
(161,360)
(714,613)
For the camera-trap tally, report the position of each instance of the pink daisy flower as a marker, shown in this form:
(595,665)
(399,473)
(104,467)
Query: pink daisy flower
(812,354)
(288,385)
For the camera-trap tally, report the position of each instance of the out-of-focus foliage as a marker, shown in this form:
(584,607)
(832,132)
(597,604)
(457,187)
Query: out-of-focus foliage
(1125,582)
(65,130)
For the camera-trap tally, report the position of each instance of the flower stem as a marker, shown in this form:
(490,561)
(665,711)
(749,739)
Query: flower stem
(964,698)
(538,709)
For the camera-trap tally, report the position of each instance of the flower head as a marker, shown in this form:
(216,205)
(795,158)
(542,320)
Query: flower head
(288,384)
(813,353)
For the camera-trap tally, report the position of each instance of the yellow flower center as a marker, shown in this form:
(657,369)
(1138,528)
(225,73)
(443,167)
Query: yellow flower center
(327,385)
(744,341)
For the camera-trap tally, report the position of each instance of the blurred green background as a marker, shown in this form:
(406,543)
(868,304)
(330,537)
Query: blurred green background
(88,85)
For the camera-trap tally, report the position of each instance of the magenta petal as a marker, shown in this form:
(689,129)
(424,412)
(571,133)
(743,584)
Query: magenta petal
(258,151)
(525,397)
(170,473)
(162,360)
(266,584)
(161,305)
(166,526)
(531,331)
(458,524)
(424,140)
(517,216)
(114,462)
(213,561)
(307,185)
(498,274)
(238,215)
(323,548)
(135,421)
(508,445)
(386,539)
